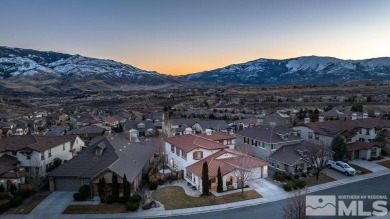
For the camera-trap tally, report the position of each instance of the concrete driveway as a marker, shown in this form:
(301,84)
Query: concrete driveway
(374,167)
(267,189)
(335,174)
(53,205)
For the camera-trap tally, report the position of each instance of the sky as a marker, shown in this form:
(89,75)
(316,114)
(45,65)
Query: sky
(187,36)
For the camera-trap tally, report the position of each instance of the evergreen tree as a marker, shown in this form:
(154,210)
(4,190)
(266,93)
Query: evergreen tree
(205,179)
(126,188)
(339,148)
(2,189)
(220,180)
(115,187)
(100,188)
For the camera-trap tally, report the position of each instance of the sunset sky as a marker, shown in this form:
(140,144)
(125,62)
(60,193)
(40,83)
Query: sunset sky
(183,36)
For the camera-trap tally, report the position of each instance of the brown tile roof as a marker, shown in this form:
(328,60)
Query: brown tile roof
(190,142)
(217,136)
(335,127)
(33,142)
(7,163)
(227,165)
(360,145)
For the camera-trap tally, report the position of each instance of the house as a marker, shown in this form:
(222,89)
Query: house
(363,150)
(277,118)
(57,130)
(261,141)
(187,153)
(220,137)
(216,125)
(334,114)
(353,131)
(110,121)
(248,122)
(89,132)
(115,153)
(144,127)
(296,158)
(40,151)
(10,172)
(230,162)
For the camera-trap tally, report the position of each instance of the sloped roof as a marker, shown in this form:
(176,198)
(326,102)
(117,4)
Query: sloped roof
(92,129)
(7,163)
(132,124)
(227,165)
(217,136)
(120,156)
(358,145)
(191,142)
(269,134)
(213,124)
(34,142)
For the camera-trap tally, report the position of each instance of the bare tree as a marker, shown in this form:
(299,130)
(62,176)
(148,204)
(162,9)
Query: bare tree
(318,159)
(243,172)
(36,175)
(295,207)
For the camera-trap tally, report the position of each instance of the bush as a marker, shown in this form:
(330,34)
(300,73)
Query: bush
(15,201)
(110,199)
(79,197)
(2,189)
(281,176)
(4,195)
(304,175)
(153,186)
(122,200)
(135,198)
(160,182)
(85,190)
(102,200)
(287,187)
(132,206)
(4,205)
(296,176)
(300,184)
(24,193)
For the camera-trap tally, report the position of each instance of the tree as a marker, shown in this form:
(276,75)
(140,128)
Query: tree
(57,162)
(2,189)
(35,178)
(339,148)
(295,207)
(205,179)
(220,180)
(381,139)
(115,187)
(319,159)
(100,188)
(126,188)
(243,172)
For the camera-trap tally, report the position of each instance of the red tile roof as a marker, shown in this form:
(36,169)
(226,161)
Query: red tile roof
(227,165)
(360,145)
(191,142)
(217,136)
(33,142)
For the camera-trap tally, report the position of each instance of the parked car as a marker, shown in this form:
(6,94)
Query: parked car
(342,167)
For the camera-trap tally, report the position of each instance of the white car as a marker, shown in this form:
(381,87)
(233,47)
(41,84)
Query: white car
(342,167)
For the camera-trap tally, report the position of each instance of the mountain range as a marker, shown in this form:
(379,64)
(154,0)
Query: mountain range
(44,72)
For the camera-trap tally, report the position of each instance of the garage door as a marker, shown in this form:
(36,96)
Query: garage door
(67,184)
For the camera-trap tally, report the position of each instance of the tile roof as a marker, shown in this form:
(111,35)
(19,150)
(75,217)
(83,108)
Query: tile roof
(133,124)
(217,136)
(213,124)
(120,156)
(190,142)
(360,145)
(34,142)
(7,163)
(269,134)
(92,129)
(226,165)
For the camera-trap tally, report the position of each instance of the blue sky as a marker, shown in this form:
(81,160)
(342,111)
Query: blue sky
(182,36)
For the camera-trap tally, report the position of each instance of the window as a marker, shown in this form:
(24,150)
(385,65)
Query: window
(299,133)
(316,136)
(188,175)
(360,131)
(178,151)
(373,152)
(42,156)
(172,149)
(198,155)
(361,139)
(272,146)
(28,156)
(63,147)
(253,142)
(368,132)
(49,153)
(310,135)
(262,144)
(184,155)
(272,164)
(277,165)
(246,140)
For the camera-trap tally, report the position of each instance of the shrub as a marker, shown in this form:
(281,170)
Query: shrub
(79,196)
(135,198)
(304,175)
(300,184)
(287,187)
(153,186)
(296,176)
(102,200)
(281,176)
(15,201)
(160,182)
(110,199)
(2,189)
(4,205)
(13,189)
(24,193)
(132,206)
(122,199)
(4,195)
(85,190)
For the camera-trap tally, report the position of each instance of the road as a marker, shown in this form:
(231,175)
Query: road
(374,186)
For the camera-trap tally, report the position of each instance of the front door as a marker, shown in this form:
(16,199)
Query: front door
(356,154)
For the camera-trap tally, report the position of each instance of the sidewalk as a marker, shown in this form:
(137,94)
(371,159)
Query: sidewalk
(268,197)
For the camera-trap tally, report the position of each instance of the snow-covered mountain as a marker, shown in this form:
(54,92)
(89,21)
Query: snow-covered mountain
(58,72)
(301,70)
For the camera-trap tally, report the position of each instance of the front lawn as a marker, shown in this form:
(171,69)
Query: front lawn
(29,206)
(95,209)
(174,197)
(385,163)
(312,181)
(360,169)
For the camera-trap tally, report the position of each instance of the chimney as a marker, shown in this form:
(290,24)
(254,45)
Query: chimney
(354,116)
(208,131)
(320,119)
(365,115)
(306,120)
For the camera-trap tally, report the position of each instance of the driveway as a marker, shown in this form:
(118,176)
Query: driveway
(267,189)
(335,174)
(53,205)
(374,167)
